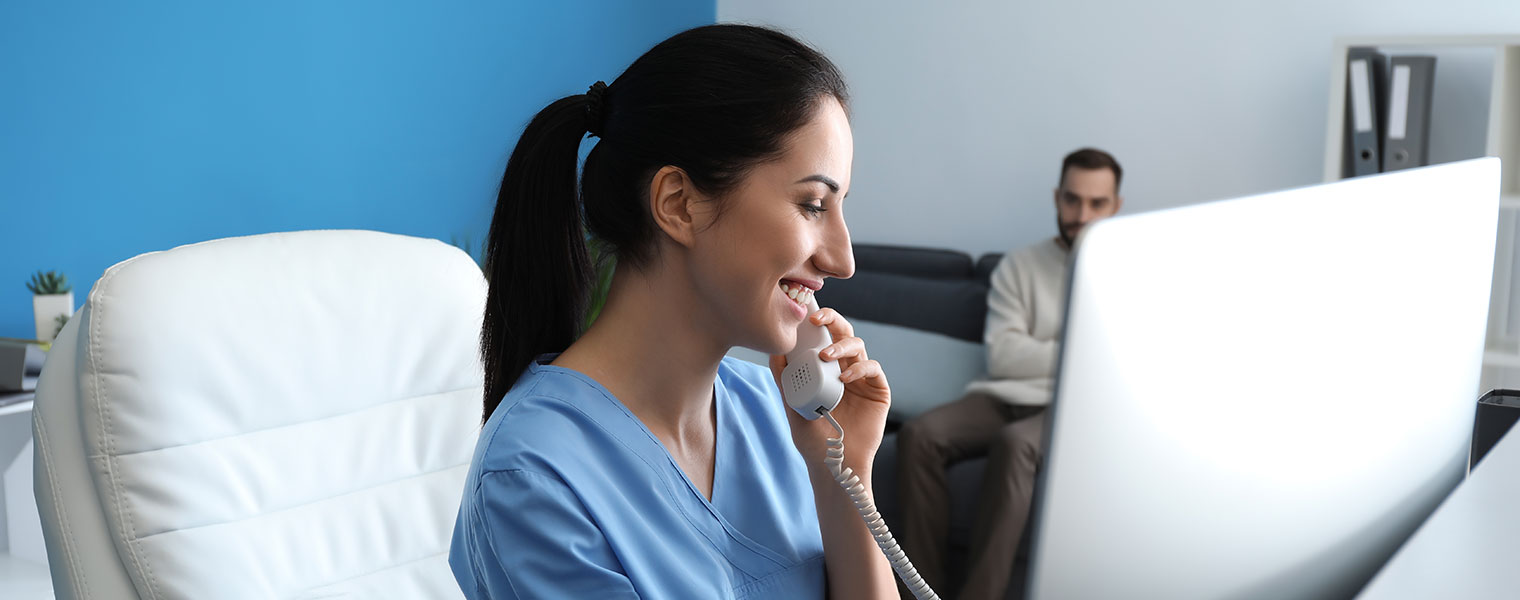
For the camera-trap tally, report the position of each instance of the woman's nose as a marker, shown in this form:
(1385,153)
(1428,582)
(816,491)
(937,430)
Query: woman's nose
(836,257)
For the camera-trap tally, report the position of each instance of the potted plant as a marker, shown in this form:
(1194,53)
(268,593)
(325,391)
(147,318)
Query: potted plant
(604,260)
(52,297)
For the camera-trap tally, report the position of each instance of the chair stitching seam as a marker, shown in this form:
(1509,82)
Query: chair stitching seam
(308,503)
(126,525)
(70,549)
(295,423)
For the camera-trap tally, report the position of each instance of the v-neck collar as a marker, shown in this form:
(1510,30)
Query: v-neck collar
(653,450)
(720,420)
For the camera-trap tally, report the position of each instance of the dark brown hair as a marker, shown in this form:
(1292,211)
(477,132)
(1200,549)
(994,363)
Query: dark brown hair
(1092,158)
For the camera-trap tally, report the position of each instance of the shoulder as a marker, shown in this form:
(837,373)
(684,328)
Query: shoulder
(1040,251)
(1014,263)
(550,417)
(1034,258)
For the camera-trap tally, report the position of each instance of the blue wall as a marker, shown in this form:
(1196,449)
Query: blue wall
(132,127)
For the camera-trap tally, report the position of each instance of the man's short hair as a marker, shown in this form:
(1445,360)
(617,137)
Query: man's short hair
(1092,158)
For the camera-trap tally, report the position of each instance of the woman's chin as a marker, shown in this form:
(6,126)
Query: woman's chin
(778,343)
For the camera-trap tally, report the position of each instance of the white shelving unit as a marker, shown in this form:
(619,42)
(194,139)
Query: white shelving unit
(1501,138)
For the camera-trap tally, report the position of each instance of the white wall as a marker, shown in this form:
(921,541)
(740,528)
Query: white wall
(963,110)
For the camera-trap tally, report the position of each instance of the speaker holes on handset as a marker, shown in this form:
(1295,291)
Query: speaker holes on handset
(801,377)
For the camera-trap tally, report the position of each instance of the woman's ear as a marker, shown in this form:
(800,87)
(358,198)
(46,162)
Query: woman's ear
(673,202)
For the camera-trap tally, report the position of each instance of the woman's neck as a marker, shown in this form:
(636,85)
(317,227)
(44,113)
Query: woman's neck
(656,351)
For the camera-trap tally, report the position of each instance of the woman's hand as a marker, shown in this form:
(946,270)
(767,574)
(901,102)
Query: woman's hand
(862,412)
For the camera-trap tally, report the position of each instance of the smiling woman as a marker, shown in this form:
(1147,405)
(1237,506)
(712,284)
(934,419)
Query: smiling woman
(633,459)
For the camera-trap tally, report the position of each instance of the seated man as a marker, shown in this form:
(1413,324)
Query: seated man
(1002,417)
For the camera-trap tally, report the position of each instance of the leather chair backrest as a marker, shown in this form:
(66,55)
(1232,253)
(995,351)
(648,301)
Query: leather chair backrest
(273,416)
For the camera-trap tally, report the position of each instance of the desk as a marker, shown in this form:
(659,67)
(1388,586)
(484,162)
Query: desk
(23,558)
(1467,548)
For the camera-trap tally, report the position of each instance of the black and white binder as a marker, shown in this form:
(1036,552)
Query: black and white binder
(1407,136)
(1364,86)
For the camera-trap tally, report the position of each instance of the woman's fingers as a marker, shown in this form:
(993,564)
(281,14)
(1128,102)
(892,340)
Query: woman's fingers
(868,370)
(838,327)
(847,351)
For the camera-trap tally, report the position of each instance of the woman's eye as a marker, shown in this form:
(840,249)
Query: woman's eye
(814,209)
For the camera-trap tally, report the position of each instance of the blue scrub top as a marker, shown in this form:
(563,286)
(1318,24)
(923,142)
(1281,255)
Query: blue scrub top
(570,496)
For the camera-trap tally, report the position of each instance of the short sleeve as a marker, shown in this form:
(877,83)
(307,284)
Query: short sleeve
(527,535)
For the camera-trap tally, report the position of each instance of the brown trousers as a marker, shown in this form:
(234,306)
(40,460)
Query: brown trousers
(1010,436)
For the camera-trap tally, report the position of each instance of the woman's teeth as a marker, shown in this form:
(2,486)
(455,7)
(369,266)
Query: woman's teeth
(797,293)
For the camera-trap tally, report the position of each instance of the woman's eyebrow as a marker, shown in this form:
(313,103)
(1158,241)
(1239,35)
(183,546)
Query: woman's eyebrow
(823,179)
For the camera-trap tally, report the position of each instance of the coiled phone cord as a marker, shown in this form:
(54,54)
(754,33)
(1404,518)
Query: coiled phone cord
(857,491)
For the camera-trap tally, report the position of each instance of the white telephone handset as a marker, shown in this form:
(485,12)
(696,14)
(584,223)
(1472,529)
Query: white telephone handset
(811,386)
(809,383)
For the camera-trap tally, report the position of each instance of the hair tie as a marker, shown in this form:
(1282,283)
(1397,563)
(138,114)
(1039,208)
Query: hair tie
(596,98)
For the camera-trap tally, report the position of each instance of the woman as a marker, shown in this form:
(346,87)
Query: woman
(639,461)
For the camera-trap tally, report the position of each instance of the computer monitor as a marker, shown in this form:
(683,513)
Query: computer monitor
(1263,397)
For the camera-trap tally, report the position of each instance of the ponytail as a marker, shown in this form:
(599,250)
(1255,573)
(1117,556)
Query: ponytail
(536,257)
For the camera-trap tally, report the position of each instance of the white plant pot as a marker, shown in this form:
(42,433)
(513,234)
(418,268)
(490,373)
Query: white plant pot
(47,307)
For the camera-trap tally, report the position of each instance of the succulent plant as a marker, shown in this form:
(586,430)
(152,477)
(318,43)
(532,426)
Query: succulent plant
(51,282)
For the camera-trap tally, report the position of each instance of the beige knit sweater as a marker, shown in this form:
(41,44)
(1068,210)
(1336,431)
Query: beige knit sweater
(1024,311)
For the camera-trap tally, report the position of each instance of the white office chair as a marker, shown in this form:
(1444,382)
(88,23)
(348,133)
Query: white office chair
(275,416)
